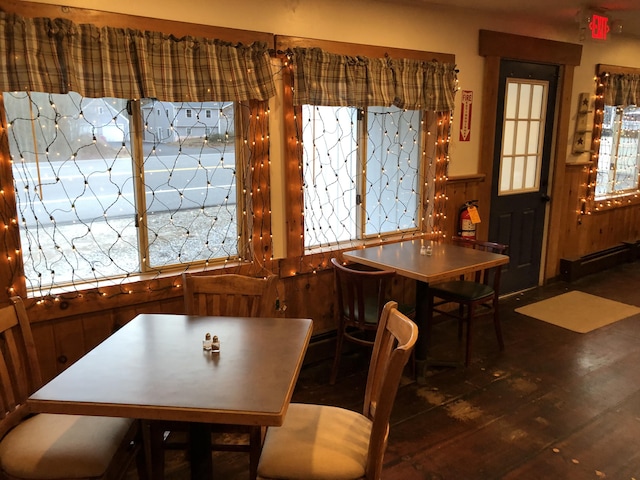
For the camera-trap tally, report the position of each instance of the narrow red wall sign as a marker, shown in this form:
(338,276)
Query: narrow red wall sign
(465,115)
(599,27)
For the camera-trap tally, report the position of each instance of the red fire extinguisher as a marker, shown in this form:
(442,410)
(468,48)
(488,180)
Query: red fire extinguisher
(467,222)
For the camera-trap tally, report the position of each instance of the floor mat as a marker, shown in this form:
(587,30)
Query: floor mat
(579,311)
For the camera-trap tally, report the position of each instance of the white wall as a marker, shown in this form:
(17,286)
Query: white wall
(437,29)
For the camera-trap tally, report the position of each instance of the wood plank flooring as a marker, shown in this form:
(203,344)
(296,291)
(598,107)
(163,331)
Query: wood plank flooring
(554,405)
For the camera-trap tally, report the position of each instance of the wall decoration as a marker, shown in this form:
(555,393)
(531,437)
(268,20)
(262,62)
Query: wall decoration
(584,124)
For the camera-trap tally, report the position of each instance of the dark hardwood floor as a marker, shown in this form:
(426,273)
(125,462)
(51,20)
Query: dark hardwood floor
(554,405)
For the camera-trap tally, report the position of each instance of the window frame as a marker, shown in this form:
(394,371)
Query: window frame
(589,202)
(432,208)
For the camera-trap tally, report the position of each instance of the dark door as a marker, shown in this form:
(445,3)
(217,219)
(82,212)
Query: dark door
(523,145)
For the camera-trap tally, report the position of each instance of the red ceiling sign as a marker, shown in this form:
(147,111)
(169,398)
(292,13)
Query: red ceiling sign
(599,27)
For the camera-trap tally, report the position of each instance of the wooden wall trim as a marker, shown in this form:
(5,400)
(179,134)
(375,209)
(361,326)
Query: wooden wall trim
(560,213)
(495,46)
(101,18)
(508,45)
(284,42)
(478,177)
(604,68)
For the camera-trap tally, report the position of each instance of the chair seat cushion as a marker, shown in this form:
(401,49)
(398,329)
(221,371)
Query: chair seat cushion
(48,446)
(316,442)
(463,290)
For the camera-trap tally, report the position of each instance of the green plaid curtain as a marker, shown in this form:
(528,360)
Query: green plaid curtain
(323,78)
(621,89)
(58,56)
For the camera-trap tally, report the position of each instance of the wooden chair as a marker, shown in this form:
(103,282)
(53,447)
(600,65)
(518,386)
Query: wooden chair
(474,297)
(218,295)
(360,298)
(229,295)
(51,446)
(321,441)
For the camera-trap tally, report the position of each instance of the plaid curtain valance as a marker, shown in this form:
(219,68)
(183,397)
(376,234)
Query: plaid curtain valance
(323,78)
(621,89)
(59,56)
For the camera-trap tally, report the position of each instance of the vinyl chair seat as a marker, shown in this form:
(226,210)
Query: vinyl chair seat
(463,290)
(318,442)
(51,446)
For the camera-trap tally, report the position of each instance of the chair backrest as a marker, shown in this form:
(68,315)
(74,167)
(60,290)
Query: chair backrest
(19,369)
(360,293)
(229,295)
(395,339)
(491,275)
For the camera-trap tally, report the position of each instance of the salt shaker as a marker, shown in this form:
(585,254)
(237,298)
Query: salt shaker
(207,343)
(215,344)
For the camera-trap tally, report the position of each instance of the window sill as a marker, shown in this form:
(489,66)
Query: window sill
(610,203)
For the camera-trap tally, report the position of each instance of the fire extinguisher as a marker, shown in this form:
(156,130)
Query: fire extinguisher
(467,228)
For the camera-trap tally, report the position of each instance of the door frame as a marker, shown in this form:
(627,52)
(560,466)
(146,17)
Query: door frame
(495,46)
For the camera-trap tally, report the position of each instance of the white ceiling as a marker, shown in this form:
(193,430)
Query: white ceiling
(626,12)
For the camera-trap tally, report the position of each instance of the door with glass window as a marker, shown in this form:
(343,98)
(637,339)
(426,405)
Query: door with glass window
(520,183)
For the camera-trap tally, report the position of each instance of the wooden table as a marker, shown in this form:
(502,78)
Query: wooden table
(154,368)
(446,261)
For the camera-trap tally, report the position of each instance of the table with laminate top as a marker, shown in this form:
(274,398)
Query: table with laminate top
(155,368)
(445,262)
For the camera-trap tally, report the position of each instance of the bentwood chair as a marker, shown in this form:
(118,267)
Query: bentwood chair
(218,295)
(326,442)
(52,446)
(360,297)
(473,297)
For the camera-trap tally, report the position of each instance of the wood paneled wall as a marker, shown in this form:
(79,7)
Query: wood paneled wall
(64,331)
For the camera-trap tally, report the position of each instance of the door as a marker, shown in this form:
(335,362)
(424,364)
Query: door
(523,146)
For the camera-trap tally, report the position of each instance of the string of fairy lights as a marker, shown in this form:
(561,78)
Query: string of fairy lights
(599,190)
(86,241)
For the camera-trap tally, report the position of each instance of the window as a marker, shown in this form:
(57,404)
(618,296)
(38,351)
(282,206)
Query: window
(619,151)
(361,170)
(523,129)
(90,210)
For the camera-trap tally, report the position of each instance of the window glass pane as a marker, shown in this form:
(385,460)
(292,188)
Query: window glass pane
(508,137)
(534,137)
(521,137)
(531,171)
(329,167)
(511,100)
(525,100)
(537,101)
(518,173)
(505,174)
(392,169)
(190,181)
(74,189)
(618,152)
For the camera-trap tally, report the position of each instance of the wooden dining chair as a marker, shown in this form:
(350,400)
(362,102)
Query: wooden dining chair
(360,297)
(322,441)
(230,295)
(52,446)
(472,297)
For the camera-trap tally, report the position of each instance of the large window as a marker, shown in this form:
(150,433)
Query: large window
(99,197)
(619,151)
(361,171)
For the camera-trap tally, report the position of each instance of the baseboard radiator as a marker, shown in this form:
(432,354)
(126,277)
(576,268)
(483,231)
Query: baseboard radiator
(572,269)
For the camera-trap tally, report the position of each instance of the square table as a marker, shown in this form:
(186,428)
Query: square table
(446,261)
(155,368)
